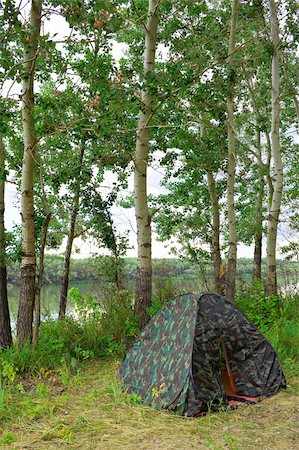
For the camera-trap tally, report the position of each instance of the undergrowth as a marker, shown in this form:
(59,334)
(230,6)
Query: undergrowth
(104,330)
(278,319)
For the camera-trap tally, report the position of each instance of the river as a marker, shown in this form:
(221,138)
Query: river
(50,298)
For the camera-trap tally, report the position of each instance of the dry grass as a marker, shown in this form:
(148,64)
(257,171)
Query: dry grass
(95,414)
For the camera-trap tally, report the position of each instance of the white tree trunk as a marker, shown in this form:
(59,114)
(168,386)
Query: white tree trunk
(273,218)
(216,253)
(215,238)
(258,235)
(231,214)
(28,264)
(143,288)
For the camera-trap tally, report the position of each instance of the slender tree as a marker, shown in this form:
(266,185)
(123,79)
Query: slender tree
(5,329)
(259,217)
(215,245)
(70,238)
(231,134)
(215,239)
(143,288)
(28,264)
(258,234)
(273,218)
(41,256)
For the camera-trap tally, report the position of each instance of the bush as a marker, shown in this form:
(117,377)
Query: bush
(278,319)
(284,336)
(118,321)
(103,328)
(97,331)
(261,310)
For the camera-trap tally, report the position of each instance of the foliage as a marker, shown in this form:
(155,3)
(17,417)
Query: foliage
(155,307)
(290,251)
(118,320)
(86,99)
(261,310)
(85,308)
(96,330)
(278,319)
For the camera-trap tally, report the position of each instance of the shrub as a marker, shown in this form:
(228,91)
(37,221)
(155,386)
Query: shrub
(118,321)
(278,319)
(155,307)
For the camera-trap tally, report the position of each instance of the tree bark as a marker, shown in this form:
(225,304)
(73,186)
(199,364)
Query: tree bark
(273,218)
(219,279)
(269,179)
(70,240)
(258,235)
(117,273)
(232,258)
(216,254)
(44,234)
(28,264)
(39,284)
(5,328)
(143,286)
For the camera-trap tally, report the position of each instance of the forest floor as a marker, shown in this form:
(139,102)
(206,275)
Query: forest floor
(89,411)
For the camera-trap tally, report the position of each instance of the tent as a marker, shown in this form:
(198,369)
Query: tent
(199,352)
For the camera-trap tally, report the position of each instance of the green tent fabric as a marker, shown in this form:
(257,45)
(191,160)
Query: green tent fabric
(157,367)
(195,343)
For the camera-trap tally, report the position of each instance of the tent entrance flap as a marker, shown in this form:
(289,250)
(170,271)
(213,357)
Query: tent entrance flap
(229,384)
(177,361)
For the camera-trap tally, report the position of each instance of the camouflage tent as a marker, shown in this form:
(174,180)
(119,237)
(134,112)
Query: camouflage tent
(199,353)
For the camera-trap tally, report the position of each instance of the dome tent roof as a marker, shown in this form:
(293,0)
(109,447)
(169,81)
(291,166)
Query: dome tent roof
(186,353)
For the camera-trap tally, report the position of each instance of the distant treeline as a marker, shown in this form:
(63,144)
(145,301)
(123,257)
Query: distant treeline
(102,269)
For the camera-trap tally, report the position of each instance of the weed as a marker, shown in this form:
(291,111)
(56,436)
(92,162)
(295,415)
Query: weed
(8,438)
(155,307)
(8,371)
(81,421)
(278,319)
(42,390)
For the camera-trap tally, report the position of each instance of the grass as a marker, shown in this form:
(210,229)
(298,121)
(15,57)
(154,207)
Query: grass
(90,411)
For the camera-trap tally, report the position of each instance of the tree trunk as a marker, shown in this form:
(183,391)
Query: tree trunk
(269,179)
(216,254)
(143,287)
(69,244)
(5,329)
(231,213)
(219,280)
(271,276)
(25,313)
(258,235)
(257,263)
(39,284)
(117,273)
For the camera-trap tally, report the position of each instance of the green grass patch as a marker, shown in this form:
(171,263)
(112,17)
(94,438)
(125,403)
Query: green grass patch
(97,414)
(64,392)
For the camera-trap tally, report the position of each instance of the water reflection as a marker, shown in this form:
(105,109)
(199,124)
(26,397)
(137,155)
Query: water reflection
(49,300)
